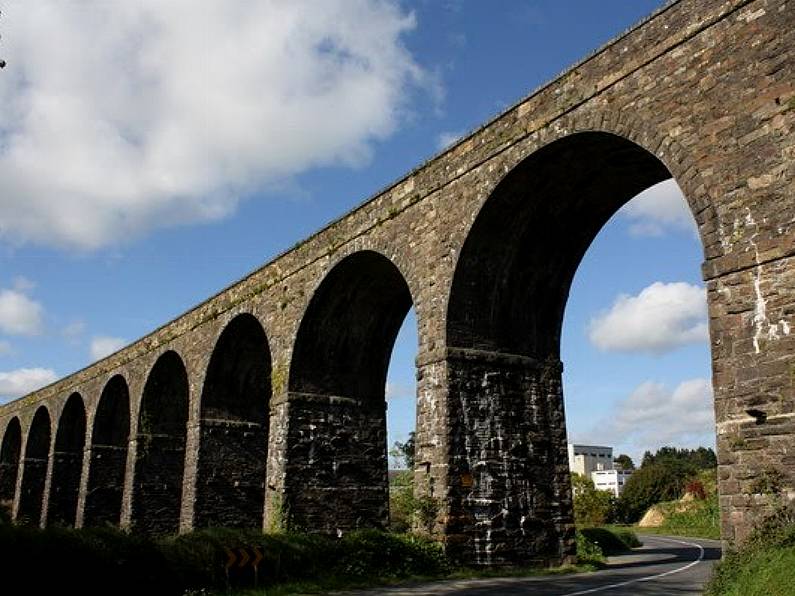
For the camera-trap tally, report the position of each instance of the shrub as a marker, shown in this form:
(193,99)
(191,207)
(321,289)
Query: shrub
(696,488)
(98,561)
(371,553)
(591,506)
(109,561)
(648,486)
(609,541)
(406,510)
(587,550)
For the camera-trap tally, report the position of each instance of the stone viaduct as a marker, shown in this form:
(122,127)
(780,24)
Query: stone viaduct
(264,405)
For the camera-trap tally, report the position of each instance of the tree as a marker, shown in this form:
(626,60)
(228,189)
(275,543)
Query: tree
(702,458)
(592,507)
(624,462)
(651,484)
(404,451)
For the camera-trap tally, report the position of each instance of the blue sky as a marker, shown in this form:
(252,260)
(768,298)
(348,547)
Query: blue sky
(150,155)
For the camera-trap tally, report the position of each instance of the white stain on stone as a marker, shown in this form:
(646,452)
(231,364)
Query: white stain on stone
(762,327)
(760,308)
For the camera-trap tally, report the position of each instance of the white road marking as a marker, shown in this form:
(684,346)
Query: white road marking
(649,577)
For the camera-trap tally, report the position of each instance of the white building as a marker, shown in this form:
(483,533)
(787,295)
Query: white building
(585,459)
(611,480)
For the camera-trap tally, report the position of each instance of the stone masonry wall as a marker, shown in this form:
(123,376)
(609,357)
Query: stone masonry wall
(707,87)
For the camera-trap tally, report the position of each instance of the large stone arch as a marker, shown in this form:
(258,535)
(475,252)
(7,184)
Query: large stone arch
(233,428)
(10,452)
(34,468)
(504,317)
(110,439)
(67,463)
(160,447)
(337,461)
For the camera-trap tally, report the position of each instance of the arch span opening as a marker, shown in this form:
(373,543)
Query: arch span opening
(160,448)
(338,466)
(34,469)
(233,451)
(10,452)
(67,463)
(109,446)
(511,490)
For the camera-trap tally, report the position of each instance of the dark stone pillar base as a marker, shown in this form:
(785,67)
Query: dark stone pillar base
(157,496)
(8,483)
(336,468)
(230,486)
(64,487)
(509,495)
(105,486)
(31,496)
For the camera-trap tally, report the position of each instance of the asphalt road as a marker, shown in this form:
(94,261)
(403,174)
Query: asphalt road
(669,566)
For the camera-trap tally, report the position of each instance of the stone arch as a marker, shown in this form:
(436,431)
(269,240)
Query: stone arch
(160,447)
(233,448)
(504,318)
(110,438)
(34,468)
(338,465)
(10,452)
(67,463)
(530,235)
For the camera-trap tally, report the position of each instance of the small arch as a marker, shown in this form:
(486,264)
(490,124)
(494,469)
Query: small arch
(337,381)
(34,469)
(67,463)
(346,335)
(9,463)
(109,444)
(160,447)
(233,447)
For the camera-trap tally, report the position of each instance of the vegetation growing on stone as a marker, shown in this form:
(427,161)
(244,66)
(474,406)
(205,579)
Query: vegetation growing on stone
(764,565)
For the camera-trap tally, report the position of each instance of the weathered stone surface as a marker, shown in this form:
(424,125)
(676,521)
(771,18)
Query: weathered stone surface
(483,240)
(230,488)
(103,497)
(336,476)
(10,453)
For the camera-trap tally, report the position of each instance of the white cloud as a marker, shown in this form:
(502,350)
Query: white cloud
(399,391)
(102,345)
(447,138)
(141,114)
(74,330)
(23,284)
(22,381)
(659,209)
(19,315)
(5,348)
(653,416)
(664,316)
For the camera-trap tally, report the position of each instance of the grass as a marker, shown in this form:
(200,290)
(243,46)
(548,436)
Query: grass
(686,532)
(699,519)
(107,560)
(102,561)
(767,573)
(764,566)
(341,583)
(597,543)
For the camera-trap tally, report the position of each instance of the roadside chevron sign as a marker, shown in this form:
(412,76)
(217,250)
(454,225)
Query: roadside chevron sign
(243,556)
